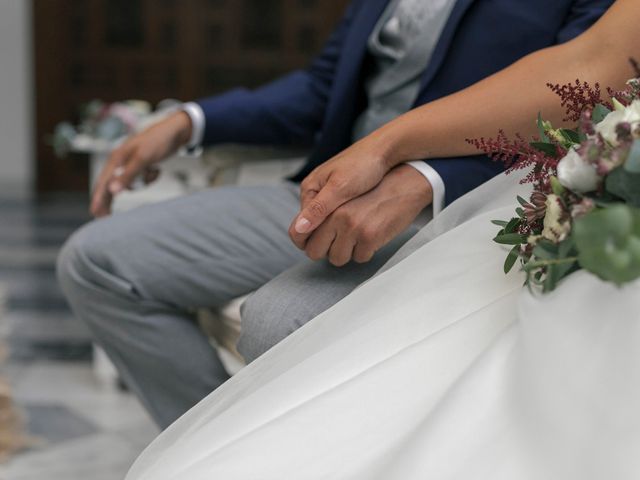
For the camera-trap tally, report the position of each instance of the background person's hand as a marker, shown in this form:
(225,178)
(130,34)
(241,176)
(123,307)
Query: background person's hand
(136,156)
(348,175)
(360,227)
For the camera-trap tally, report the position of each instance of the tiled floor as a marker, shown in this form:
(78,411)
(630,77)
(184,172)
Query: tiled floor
(85,429)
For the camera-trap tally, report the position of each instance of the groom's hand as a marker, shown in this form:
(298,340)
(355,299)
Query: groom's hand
(360,227)
(137,156)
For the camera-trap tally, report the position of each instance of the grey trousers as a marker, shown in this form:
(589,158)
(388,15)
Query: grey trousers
(137,278)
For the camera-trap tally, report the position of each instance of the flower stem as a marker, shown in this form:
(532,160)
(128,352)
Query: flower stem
(546,263)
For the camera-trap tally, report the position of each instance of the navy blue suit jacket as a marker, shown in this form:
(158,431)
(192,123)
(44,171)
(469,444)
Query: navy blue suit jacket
(317,107)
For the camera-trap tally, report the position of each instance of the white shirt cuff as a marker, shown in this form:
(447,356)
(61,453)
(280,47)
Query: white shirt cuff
(436,182)
(198,122)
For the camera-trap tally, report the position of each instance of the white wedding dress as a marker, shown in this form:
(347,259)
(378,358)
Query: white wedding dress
(441,367)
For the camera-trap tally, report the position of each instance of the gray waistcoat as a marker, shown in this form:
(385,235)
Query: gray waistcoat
(401,46)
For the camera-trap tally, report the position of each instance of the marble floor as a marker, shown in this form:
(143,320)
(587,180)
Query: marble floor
(83,427)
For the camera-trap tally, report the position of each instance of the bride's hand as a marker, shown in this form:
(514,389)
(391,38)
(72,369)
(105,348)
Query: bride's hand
(360,227)
(352,173)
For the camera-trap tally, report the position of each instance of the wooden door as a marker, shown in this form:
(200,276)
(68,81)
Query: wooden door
(154,49)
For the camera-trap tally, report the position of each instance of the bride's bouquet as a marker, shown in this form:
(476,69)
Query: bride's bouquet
(584,212)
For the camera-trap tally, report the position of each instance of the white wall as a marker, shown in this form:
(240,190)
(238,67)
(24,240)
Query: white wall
(16,97)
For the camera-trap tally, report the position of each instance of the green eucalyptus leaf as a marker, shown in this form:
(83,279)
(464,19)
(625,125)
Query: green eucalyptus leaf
(546,148)
(500,223)
(510,239)
(632,165)
(546,250)
(605,201)
(599,113)
(625,185)
(570,136)
(608,243)
(566,268)
(582,136)
(566,248)
(512,258)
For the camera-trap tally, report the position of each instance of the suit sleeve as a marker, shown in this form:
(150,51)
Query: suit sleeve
(460,175)
(581,16)
(288,111)
(463,174)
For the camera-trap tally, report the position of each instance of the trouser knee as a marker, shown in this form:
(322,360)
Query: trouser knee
(81,271)
(266,321)
(71,267)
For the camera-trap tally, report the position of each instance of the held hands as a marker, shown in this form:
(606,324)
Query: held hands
(358,228)
(137,156)
(352,173)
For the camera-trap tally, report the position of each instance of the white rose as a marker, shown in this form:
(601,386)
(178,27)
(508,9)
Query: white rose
(555,229)
(576,174)
(607,128)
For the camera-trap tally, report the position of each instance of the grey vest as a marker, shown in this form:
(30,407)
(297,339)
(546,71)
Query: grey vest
(401,46)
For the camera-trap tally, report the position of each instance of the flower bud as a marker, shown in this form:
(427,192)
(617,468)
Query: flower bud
(576,174)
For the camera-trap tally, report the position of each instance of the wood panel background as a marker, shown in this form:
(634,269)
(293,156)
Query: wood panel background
(155,49)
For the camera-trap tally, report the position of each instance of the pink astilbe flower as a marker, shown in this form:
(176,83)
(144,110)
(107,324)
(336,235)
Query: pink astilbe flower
(625,97)
(630,93)
(578,97)
(519,154)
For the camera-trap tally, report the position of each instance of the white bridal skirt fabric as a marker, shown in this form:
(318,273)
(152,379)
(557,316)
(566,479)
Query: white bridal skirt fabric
(442,367)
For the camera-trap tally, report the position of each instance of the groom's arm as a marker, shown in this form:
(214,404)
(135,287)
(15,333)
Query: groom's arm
(288,111)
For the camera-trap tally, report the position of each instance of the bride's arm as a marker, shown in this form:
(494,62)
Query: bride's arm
(510,99)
